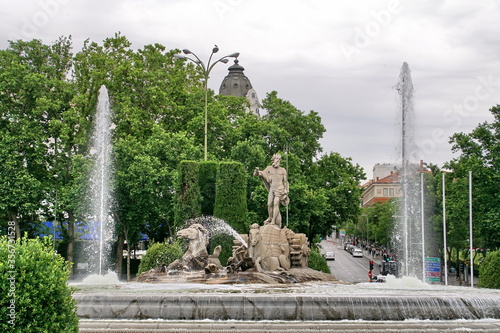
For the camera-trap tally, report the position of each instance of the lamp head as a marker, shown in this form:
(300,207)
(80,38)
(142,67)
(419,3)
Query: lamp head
(225,60)
(215,49)
(234,55)
(186,51)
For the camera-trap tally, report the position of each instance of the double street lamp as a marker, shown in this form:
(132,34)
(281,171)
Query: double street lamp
(206,69)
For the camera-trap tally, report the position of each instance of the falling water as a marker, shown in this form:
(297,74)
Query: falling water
(408,234)
(216,226)
(100,186)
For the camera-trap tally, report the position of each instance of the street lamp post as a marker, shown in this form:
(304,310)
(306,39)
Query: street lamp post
(366,226)
(206,69)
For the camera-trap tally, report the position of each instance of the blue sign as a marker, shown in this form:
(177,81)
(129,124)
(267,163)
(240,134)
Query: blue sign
(432,264)
(433,269)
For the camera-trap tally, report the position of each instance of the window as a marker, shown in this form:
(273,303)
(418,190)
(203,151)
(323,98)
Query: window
(391,192)
(385,192)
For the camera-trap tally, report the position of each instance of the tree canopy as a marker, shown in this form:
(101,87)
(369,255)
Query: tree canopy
(48,98)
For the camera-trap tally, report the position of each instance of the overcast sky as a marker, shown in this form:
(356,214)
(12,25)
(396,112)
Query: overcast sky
(339,58)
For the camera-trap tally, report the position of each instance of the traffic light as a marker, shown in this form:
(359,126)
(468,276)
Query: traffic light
(371,265)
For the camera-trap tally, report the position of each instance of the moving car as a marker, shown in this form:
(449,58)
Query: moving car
(357,253)
(330,256)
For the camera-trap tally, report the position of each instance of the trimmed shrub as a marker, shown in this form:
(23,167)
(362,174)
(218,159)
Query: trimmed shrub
(489,274)
(189,199)
(230,199)
(207,179)
(317,261)
(35,295)
(159,254)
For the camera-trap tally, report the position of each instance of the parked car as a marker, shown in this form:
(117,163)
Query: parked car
(357,253)
(349,247)
(330,256)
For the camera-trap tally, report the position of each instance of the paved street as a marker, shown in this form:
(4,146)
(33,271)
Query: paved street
(345,267)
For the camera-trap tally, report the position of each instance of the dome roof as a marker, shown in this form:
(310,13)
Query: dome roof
(235,83)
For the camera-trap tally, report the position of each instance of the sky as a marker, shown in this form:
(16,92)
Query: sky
(341,59)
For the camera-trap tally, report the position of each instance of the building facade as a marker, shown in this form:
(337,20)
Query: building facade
(381,189)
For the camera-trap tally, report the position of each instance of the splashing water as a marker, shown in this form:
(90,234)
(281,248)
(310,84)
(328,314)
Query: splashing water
(99,209)
(408,233)
(108,278)
(216,226)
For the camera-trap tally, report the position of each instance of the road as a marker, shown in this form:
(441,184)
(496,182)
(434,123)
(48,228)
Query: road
(346,267)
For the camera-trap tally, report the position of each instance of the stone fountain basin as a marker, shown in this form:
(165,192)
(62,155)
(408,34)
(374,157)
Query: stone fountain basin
(304,302)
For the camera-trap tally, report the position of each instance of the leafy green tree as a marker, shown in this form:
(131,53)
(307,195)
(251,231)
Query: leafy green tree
(35,95)
(380,220)
(479,154)
(158,116)
(291,129)
(340,178)
(150,98)
(307,210)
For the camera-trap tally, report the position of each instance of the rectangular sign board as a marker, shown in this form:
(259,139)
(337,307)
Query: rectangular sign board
(432,259)
(433,279)
(432,269)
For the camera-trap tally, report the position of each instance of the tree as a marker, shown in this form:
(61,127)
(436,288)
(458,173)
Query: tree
(291,129)
(480,154)
(151,104)
(34,102)
(379,218)
(49,107)
(340,179)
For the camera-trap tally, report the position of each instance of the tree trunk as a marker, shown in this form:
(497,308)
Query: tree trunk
(17,227)
(128,258)
(170,233)
(70,255)
(119,256)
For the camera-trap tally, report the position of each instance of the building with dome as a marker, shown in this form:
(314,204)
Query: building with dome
(237,84)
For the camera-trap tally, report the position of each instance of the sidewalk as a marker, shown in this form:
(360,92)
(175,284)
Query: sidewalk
(452,280)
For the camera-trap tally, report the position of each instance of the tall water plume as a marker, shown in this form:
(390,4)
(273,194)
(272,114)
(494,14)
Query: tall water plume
(408,232)
(100,183)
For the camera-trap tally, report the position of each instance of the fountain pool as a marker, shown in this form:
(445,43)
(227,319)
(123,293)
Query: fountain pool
(396,300)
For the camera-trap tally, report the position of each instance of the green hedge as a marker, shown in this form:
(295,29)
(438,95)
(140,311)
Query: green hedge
(489,274)
(35,295)
(230,198)
(161,253)
(189,199)
(207,179)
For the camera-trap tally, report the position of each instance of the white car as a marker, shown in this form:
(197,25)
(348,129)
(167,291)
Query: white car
(330,256)
(357,253)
